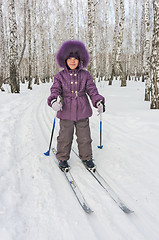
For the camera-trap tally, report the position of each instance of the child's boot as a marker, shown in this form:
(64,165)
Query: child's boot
(89,164)
(63,165)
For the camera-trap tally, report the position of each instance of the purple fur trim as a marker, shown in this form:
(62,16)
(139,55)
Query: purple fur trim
(72,47)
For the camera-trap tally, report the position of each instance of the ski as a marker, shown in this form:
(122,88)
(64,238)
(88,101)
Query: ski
(103,183)
(110,191)
(77,192)
(75,188)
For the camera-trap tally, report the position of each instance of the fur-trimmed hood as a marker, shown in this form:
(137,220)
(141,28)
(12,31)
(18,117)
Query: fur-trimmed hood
(74,48)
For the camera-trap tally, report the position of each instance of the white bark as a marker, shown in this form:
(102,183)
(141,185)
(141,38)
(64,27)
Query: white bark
(29,47)
(116,5)
(136,42)
(147,52)
(105,44)
(129,43)
(35,53)
(49,51)
(2,50)
(94,27)
(119,45)
(91,38)
(14,75)
(155,58)
(142,40)
(42,60)
(24,41)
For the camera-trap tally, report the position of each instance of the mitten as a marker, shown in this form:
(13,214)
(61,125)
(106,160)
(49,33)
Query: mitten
(56,106)
(101,106)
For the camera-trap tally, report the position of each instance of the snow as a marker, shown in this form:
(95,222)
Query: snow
(36,202)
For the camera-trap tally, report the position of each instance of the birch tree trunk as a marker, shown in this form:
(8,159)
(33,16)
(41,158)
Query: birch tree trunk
(35,55)
(114,41)
(24,47)
(2,52)
(49,55)
(136,42)
(7,54)
(147,52)
(142,40)
(42,44)
(101,57)
(13,58)
(29,42)
(129,44)
(119,45)
(106,52)
(91,38)
(155,58)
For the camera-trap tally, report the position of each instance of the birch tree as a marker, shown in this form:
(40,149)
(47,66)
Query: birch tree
(119,45)
(23,47)
(101,55)
(91,38)
(106,45)
(2,51)
(6,49)
(29,47)
(155,58)
(49,55)
(13,58)
(136,42)
(142,40)
(35,51)
(114,49)
(129,43)
(100,24)
(147,52)
(42,67)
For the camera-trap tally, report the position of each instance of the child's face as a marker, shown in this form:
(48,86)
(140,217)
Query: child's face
(72,62)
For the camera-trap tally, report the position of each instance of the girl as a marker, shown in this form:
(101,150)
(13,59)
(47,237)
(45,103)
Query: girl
(74,84)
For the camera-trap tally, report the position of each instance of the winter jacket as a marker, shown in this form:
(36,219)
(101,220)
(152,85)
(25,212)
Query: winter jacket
(74,86)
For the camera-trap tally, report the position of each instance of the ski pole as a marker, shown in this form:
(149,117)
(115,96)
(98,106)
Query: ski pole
(48,152)
(52,133)
(100,146)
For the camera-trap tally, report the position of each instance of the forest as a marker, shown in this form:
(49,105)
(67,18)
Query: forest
(122,37)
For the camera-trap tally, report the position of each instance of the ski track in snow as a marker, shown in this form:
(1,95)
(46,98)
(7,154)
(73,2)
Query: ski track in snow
(36,201)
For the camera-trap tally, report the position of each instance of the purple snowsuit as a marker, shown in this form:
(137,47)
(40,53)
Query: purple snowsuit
(74,86)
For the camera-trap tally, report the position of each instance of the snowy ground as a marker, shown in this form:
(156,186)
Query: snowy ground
(36,202)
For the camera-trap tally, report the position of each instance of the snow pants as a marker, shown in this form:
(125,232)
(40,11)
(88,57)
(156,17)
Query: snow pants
(65,138)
